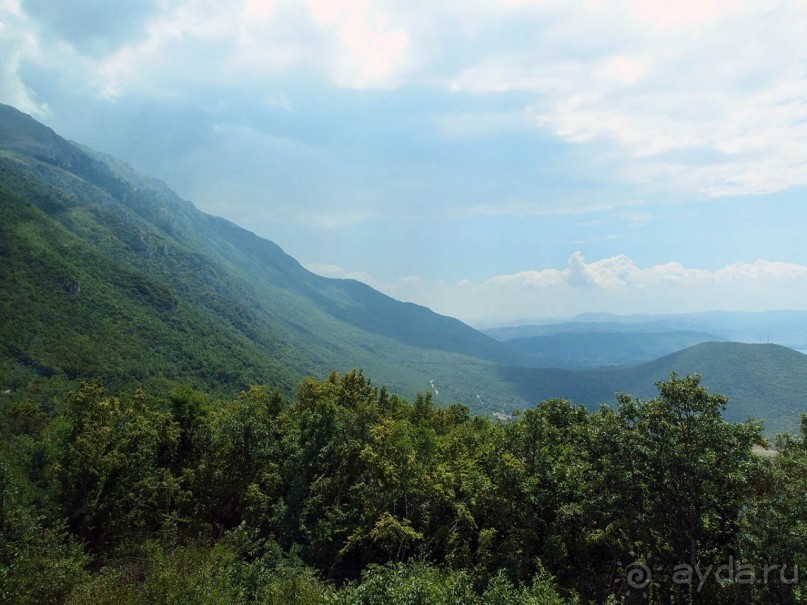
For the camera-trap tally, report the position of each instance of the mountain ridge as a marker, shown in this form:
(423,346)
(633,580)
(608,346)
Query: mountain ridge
(225,278)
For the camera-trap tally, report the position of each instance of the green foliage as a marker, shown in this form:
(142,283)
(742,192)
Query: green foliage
(421,584)
(688,473)
(350,495)
(774,522)
(39,561)
(114,478)
(415,584)
(197,575)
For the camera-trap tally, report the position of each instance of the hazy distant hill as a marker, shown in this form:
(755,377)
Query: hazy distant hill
(788,328)
(579,350)
(761,381)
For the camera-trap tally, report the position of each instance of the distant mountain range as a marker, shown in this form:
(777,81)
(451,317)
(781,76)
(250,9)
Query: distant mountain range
(579,350)
(787,328)
(108,273)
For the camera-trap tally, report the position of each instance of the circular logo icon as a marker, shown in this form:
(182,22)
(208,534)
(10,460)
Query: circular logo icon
(638,576)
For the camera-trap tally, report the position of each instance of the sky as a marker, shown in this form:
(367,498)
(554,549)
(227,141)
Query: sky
(494,161)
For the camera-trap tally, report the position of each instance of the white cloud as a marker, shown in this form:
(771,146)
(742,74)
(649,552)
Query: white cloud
(480,124)
(761,270)
(635,218)
(370,50)
(614,284)
(325,269)
(17,41)
(684,99)
(666,82)
(699,96)
(333,220)
(191,25)
(281,101)
(683,13)
(355,43)
(258,10)
(337,272)
(533,279)
(11,7)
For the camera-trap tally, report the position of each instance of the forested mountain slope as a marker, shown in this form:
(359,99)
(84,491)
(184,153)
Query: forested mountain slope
(108,273)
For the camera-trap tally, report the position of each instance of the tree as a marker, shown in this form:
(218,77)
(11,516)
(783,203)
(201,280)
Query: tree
(694,470)
(774,523)
(114,477)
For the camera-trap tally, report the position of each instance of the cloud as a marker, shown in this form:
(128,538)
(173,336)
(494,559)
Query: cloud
(337,272)
(614,284)
(280,101)
(463,125)
(449,110)
(700,97)
(683,13)
(333,220)
(708,99)
(369,49)
(635,218)
(354,44)
(532,279)
(200,34)
(93,27)
(16,41)
(326,269)
(761,270)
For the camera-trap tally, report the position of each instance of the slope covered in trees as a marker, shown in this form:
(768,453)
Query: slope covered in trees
(349,495)
(108,273)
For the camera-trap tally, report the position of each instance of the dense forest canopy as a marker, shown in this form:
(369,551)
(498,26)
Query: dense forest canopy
(350,494)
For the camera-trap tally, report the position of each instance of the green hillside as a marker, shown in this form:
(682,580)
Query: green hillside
(760,380)
(108,273)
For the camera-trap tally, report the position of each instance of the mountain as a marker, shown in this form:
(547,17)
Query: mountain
(787,328)
(579,350)
(108,273)
(602,339)
(761,380)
